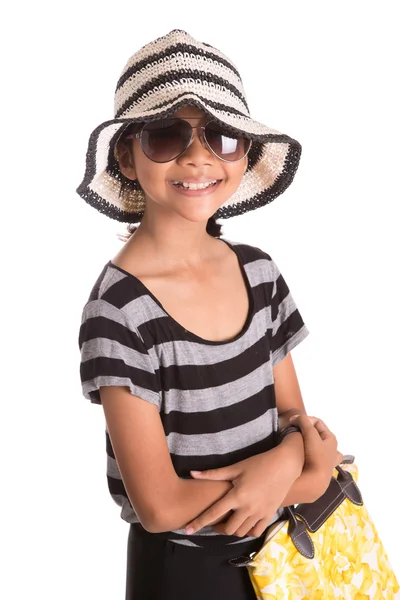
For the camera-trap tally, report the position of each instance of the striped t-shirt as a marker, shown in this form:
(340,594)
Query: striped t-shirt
(215,398)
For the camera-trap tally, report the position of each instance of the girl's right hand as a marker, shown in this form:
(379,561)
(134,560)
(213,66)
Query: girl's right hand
(320,447)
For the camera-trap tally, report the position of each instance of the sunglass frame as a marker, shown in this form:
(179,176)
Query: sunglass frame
(203,137)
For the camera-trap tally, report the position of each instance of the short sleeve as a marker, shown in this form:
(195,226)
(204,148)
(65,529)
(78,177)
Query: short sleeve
(288,328)
(113,353)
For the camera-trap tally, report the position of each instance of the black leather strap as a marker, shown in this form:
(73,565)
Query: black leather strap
(289,429)
(311,516)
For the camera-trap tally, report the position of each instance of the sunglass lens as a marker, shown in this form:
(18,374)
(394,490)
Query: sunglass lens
(225,144)
(165,139)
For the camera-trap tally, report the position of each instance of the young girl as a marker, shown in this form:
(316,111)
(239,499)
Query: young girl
(186,337)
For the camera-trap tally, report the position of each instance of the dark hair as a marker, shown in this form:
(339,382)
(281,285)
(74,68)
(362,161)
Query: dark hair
(213,227)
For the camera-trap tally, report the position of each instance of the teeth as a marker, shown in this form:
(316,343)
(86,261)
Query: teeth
(194,186)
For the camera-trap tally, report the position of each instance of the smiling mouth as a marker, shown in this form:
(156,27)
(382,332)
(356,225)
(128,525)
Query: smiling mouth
(195,186)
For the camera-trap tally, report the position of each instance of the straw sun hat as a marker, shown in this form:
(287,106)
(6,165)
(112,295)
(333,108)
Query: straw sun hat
(170,72)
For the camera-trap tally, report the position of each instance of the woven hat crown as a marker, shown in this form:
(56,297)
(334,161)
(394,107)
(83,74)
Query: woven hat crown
(177,64)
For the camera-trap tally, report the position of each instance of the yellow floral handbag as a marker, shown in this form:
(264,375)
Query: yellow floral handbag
(325,550)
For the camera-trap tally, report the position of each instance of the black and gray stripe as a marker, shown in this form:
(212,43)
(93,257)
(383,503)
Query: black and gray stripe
(216,399)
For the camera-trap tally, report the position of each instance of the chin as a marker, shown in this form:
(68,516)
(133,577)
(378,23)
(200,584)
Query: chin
(197,218)
(197,214)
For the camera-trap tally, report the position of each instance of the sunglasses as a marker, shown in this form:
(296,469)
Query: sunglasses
(166,139)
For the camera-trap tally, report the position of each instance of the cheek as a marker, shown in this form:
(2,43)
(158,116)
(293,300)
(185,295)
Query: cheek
(149,173)
(235,172)
(151,176)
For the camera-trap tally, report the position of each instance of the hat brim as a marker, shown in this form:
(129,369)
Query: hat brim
(272,163)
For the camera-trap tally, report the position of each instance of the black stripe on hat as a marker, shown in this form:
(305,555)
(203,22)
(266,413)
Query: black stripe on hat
(167,52)
(91,152)
(176,75)
(89,195)
(206,101)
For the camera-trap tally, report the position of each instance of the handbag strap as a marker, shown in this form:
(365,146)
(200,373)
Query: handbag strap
(314,514)
(311,516)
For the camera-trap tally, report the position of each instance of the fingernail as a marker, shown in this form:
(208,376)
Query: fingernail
(293,417)
(189,530)
(196,472)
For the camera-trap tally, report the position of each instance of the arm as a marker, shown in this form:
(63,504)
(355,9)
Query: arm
(307,487)
(289,401)
(288,396)
(159,497)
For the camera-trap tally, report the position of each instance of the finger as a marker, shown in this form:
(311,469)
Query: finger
(339,457)
(259,528)
(322,429)
(245,527)
(215,512)
(223,474)
(304,422)
(234,523)
(219,528)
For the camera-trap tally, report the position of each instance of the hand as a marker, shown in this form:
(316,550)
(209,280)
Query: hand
(320,448)
(260,484)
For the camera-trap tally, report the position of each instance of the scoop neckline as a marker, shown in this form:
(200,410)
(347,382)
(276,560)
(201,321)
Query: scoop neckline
(187,332)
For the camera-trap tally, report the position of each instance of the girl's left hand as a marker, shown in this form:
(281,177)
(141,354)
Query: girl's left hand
(260,484)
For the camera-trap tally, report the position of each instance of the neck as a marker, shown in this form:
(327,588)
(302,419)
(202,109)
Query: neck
(177,243)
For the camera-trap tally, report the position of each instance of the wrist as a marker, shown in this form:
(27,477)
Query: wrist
(307,488)
(320,479)
(283,418)
(287,430)
(292,449)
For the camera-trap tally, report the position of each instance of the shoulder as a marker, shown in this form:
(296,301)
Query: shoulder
(249,250)
(103,282)
(115,287)
(114,300)
(253,257)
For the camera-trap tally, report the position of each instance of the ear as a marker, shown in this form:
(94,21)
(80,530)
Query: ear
(125,163)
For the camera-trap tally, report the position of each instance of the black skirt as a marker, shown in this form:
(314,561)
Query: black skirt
(159,569)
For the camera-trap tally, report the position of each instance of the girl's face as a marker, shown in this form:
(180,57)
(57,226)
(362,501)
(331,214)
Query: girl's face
(196,164)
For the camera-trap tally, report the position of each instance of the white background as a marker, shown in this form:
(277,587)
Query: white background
(324,73)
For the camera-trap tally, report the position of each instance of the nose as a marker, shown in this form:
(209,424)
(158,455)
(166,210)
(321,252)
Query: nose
(197,152)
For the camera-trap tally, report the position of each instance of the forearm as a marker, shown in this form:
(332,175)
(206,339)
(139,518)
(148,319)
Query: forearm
(189,499)
(292,445)
(309,486)
(306,488)
(192,497)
